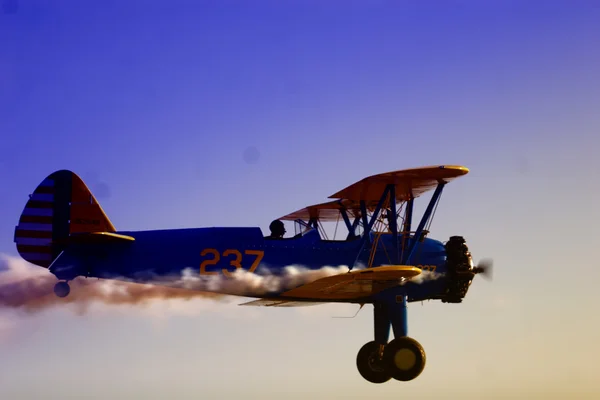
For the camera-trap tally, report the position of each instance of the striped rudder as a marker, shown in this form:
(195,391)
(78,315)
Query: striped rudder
(60,206)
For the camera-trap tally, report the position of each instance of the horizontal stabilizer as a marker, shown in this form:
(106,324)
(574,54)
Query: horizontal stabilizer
(99,237)
(279,303)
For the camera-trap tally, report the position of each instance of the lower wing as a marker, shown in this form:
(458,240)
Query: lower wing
(347,286)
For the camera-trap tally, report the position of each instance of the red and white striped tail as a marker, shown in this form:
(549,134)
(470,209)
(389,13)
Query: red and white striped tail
(61,205)
(33,235)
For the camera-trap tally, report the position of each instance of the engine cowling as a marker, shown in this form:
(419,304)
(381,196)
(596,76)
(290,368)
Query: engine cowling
(460,270)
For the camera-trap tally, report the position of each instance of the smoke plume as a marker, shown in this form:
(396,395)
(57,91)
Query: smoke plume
(30,288)
(26,287)
(426,276)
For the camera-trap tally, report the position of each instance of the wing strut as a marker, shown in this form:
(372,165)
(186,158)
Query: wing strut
(424,219)
(346,219)
(408,213)
(363,210)
(393,224)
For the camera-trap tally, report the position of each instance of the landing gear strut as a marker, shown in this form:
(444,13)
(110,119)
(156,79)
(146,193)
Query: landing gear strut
(62,289)
(403,358)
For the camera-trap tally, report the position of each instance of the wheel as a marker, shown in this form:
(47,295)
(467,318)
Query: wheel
(404,358)
(62,289)
(369,365)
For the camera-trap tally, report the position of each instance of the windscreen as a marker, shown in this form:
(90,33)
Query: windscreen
(301,227)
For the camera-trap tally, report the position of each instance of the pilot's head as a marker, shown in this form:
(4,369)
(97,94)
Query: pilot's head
(277,228)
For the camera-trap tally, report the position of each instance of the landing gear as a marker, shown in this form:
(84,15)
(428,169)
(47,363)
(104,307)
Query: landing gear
(403,358)
(62,289)
(370,365)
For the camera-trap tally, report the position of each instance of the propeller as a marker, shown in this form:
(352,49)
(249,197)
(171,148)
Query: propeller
(485,268)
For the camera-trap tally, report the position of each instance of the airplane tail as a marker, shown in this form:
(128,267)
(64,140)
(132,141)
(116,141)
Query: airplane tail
(62,205)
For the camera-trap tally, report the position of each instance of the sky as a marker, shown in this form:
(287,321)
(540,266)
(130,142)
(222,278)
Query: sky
(228,113)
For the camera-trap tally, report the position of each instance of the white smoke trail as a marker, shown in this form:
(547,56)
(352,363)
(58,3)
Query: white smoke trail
(26,287)
(244,283)
(426,276)
(6,326)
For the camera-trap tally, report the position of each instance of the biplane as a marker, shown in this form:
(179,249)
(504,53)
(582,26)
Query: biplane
(389,264)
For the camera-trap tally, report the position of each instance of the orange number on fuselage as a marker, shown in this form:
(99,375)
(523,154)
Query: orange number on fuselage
(259,256)
(237,262)
(214,261)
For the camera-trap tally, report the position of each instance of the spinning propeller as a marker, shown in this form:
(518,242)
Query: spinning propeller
(485,268)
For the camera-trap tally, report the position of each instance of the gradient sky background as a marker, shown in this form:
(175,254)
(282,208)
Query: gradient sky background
(187,114)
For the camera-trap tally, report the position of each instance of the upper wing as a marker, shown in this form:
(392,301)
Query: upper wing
(409,183)
(354,284)
(329,211)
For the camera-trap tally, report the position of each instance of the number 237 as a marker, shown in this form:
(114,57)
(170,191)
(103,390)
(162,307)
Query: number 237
(235,262)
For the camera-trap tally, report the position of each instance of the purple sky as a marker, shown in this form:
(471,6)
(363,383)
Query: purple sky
(190,114)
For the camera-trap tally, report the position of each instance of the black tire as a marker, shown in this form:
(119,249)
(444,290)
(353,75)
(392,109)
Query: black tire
(369,366)
(62,289)
(404,359)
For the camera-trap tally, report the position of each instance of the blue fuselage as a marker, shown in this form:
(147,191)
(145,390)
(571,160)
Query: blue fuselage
(215,253)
